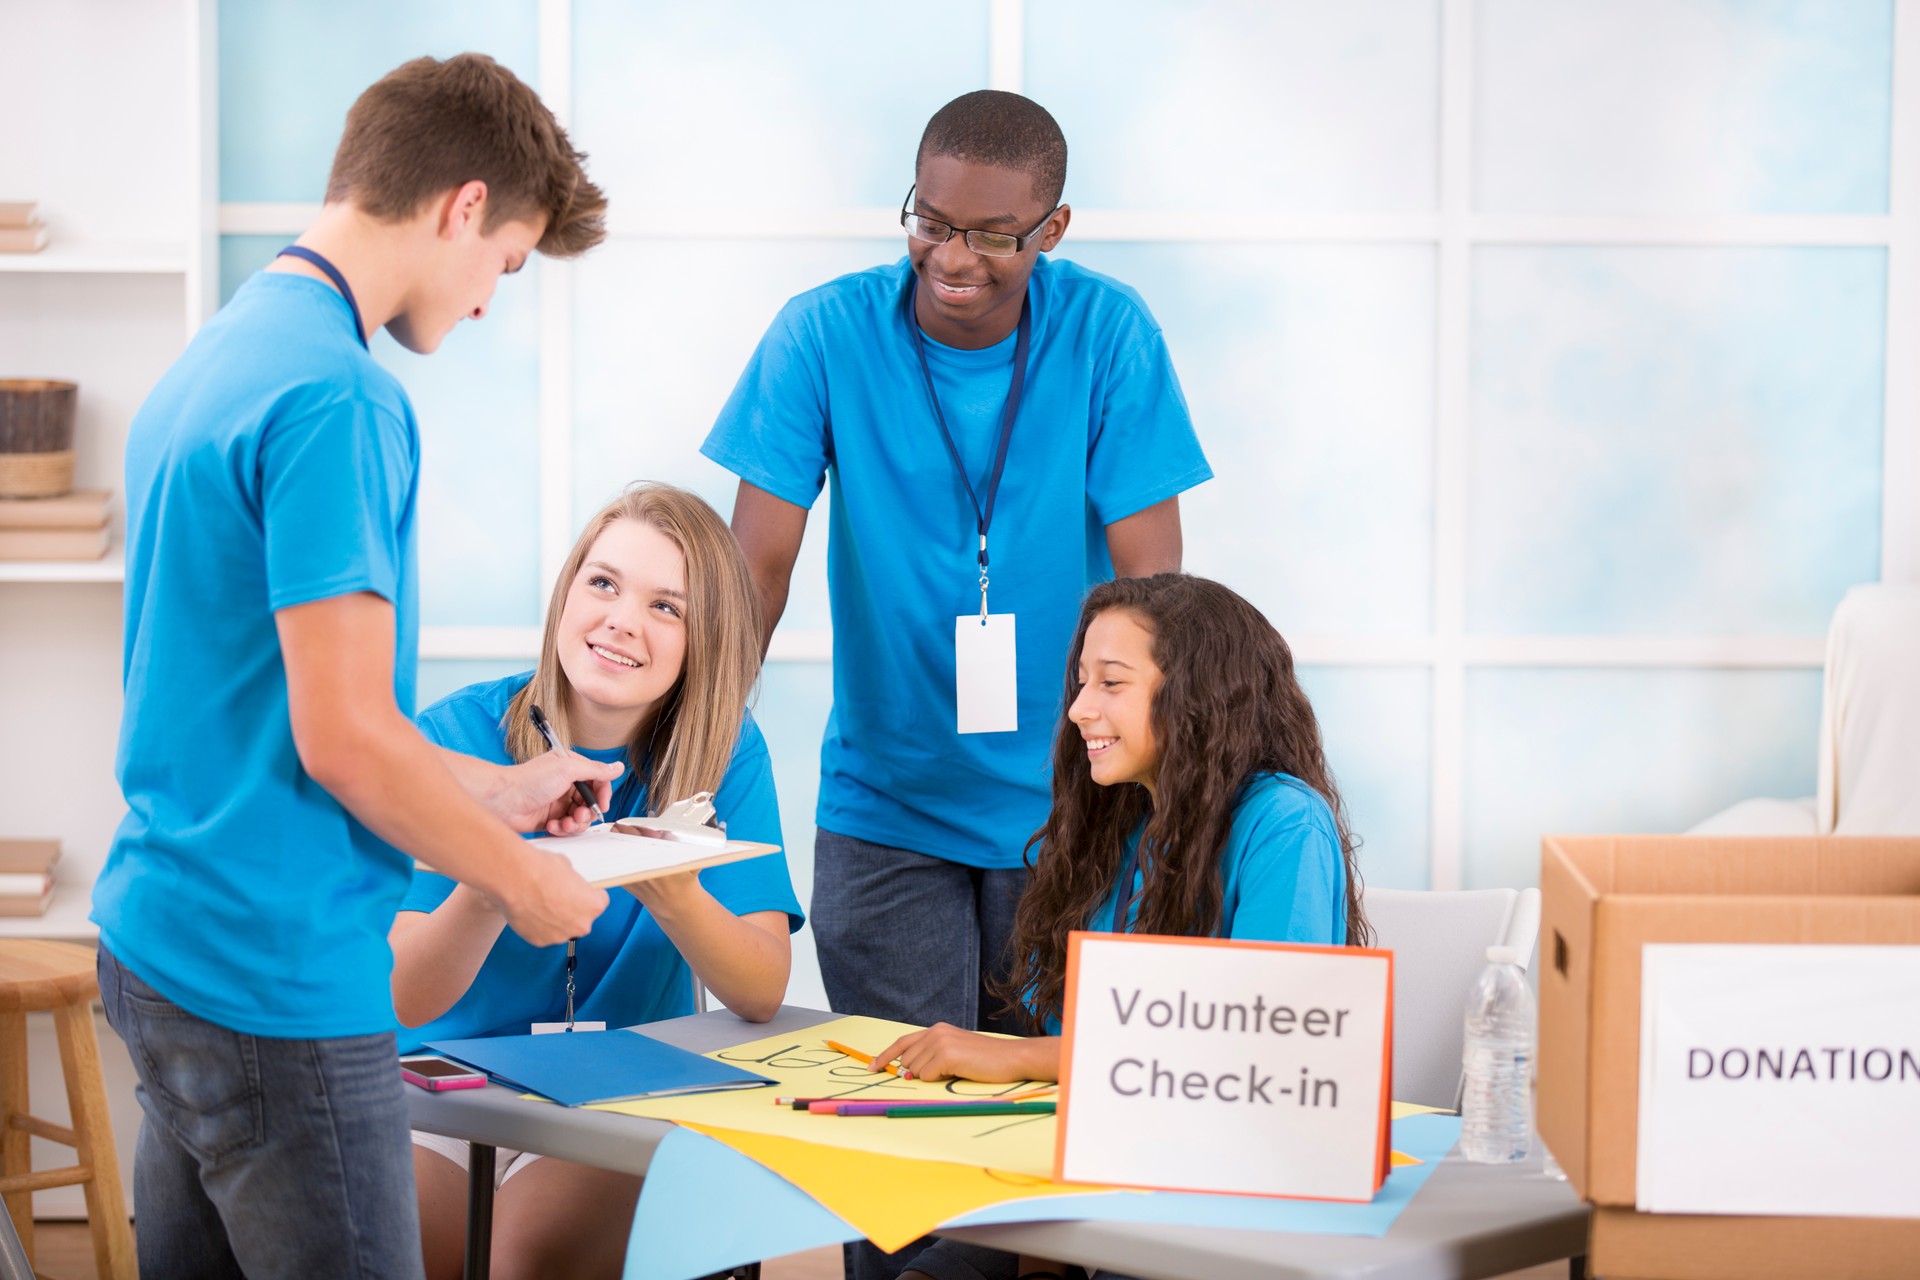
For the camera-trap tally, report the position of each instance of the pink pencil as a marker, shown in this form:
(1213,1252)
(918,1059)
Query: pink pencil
(881,1108)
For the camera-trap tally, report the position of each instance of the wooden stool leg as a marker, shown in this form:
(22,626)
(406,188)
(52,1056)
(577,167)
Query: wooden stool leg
(93,1133)
(15,1157)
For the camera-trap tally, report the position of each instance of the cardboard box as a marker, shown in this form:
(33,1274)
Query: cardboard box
(1602,899)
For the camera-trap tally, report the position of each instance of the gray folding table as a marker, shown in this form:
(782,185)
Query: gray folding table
(1469,1221)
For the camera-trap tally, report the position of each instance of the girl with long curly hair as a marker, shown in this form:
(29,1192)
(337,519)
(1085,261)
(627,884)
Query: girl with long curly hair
(1191,797)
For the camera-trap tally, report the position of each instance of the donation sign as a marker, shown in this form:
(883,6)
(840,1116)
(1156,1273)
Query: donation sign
(1196,1064)
(1779,1080)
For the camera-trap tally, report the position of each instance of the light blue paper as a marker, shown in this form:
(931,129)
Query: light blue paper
(747,1213)
(1426,1138)
(705,1207)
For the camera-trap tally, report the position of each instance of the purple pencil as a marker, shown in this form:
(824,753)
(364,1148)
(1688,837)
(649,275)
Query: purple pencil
(880,1108)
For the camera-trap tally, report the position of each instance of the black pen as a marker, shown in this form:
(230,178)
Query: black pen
(546,731)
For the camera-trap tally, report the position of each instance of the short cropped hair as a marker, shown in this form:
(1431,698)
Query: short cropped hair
(991,126)
(430,126)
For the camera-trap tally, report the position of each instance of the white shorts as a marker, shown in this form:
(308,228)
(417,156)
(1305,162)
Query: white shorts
(506,1161)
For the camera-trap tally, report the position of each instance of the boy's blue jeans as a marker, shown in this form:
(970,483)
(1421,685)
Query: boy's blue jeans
(261,1156)
(913,938)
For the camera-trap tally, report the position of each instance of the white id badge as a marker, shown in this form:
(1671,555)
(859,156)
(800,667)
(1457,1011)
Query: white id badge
(553,1028)
(986,678)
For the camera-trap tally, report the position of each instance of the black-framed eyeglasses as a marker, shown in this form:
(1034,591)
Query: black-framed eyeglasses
(988,244)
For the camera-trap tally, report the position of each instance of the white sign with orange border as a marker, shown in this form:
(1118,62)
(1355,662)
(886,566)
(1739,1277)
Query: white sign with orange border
(1198,1064)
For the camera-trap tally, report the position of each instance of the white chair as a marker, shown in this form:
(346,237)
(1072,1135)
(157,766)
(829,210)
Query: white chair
(1869,729)
(1439,943)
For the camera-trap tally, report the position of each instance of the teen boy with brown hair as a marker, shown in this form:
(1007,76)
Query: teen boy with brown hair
(277,789)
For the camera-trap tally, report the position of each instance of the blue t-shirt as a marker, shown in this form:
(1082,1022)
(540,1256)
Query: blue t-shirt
(836,392)
(627,970)
(1283,877)
(275,464)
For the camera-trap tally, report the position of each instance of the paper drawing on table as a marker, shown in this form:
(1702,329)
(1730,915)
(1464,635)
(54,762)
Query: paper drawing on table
(606,856)
(803,1066)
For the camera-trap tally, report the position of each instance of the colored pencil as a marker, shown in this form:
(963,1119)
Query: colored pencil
(852,1052)
(993,1109)
(857,1107)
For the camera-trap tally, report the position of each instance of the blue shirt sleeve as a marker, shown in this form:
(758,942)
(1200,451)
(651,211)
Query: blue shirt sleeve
(335,485)
(1143,450)
(774,431)
(1286,876)
(747,803)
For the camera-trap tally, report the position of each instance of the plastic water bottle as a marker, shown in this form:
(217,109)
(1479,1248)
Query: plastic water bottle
(1496,1115)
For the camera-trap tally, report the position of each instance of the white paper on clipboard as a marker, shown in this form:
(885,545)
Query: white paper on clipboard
(606,857)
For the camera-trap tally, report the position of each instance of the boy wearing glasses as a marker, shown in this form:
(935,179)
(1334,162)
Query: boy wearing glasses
(1000,431)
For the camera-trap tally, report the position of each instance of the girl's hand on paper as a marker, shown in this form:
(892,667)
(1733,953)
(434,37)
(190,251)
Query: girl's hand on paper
(662,894)
(944,1050)
(538,794)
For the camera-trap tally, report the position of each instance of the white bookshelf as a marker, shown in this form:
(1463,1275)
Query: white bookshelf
(99,259)
(118,147)
(111,568)
(65,920)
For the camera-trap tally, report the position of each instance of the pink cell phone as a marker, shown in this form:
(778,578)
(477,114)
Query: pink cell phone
(438,1073)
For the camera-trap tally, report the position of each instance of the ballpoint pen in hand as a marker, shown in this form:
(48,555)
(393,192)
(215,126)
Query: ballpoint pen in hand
(546,731)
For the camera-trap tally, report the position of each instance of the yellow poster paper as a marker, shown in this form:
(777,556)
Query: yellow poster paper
(890,1200)
(805,1067)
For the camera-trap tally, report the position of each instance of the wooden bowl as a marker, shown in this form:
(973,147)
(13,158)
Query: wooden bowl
(36,437)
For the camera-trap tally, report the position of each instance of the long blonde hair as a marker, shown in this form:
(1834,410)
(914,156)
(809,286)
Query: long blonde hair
(690,741)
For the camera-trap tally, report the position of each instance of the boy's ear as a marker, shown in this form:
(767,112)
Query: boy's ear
(463,205)
(1056,228)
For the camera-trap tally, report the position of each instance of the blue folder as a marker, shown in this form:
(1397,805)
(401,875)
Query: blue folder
(579,1067)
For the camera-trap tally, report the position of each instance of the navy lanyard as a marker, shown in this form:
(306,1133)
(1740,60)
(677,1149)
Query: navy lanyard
(982,513)
(339,282)
(1123,889)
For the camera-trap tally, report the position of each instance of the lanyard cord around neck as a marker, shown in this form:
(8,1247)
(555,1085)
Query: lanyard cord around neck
(332,273)
(982,510)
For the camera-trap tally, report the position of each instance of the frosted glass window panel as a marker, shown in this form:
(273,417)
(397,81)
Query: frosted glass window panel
(736,105)
(477,400)
(662,331)
(1682,106)
(442,676)
(1376,727)
(1310,372)
(795,698)
(241,256)
(1224,104)
(1670,440)
(289,69)
(1606,752)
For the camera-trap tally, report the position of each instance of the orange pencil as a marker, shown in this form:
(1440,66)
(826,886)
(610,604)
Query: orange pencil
(852,1052)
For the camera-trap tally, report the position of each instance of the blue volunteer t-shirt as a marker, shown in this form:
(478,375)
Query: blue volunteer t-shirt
(835,392)
(275,464)
(627,970)
(1283,877)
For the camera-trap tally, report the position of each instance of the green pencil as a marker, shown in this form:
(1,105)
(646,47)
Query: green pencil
(974,1109)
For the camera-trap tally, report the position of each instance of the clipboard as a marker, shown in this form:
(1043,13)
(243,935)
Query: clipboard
(607,856)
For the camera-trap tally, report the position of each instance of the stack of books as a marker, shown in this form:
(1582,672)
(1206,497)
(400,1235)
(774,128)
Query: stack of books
(73,526)
(21,230)
(26,876)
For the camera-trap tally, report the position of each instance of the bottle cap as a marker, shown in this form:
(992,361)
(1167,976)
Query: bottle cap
(1503,955)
